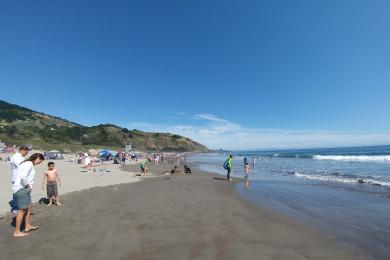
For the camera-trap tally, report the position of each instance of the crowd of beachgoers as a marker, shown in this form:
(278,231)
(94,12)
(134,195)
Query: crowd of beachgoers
(98,198)
(23,161)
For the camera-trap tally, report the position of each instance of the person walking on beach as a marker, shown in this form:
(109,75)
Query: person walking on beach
(228,166)
(124,159)
(21,188)
(51,177)
(144,169)
(254,161)
(15,160)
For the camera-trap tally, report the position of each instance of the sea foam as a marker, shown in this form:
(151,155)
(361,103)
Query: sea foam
(341,178)
(362,158)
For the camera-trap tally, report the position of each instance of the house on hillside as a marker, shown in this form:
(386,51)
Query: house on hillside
(128,148)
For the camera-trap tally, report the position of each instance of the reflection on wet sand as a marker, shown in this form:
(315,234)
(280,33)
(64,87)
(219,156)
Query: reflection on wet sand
(246,183)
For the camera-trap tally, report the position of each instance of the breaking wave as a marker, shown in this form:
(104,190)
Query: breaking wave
(344,178)
(357,158)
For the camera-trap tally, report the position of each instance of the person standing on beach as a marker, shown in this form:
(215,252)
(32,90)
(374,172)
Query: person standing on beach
(228,166)
(123,161)
(21,188)
(50,178)
(15,160)
(88,162)
(254,161)
(247,170)
(144,169)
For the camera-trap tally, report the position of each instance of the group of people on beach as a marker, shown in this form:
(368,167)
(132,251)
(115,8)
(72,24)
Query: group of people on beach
(157,158)
(23,175)
(22,180)
(228,166)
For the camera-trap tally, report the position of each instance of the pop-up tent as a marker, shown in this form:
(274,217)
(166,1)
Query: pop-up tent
(53,155)
(105,154)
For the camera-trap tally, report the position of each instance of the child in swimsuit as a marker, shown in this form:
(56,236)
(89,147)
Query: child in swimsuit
(247,169)
(51,177)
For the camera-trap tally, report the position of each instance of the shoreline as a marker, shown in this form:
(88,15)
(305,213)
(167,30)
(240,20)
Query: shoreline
(195,216)
(355,215)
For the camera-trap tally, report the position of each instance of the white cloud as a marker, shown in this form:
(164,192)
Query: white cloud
(211,118)
(217,133)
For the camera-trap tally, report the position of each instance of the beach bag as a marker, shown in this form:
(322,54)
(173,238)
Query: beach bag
(225,164)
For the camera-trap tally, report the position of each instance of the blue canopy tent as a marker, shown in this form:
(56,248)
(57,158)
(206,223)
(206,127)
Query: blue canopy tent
(106,154)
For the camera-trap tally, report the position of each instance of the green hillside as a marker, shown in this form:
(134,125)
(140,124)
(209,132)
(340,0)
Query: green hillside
(20,125)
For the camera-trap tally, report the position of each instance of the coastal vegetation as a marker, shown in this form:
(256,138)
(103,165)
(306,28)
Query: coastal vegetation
(20,126)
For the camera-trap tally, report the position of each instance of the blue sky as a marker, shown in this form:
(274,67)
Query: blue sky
(230,74)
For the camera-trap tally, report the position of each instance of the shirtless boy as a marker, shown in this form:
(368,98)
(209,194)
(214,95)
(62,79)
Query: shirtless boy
(51,177)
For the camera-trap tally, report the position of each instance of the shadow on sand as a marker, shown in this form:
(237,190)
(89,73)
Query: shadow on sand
(13,223)
(43,201)
(219,179)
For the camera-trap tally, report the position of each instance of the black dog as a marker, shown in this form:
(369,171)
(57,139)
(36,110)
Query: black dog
(174,170)
(187,169)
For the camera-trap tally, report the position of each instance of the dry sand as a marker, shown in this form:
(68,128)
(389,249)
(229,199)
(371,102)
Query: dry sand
(72,176)
(195,216)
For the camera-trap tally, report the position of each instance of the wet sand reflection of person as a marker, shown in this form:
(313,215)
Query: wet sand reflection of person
(246,185)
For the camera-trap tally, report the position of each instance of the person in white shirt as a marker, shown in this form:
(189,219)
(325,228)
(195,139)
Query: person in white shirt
(88,162)
(22,186)
(15,160)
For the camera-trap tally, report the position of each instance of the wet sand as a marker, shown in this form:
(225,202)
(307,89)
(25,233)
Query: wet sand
(197,216)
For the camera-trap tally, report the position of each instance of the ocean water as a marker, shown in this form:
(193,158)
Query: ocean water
(343,191)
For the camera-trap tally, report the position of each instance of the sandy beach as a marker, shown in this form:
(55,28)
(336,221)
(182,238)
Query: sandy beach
(280,109)
(197,216)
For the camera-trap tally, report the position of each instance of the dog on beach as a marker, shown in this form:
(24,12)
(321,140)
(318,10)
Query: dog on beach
(174,170)
(187,169)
